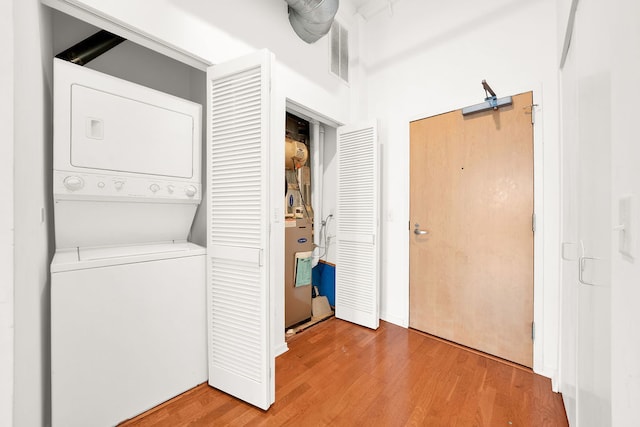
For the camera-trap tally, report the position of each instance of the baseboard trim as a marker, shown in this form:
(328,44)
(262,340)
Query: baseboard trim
(396,320)
(281,349)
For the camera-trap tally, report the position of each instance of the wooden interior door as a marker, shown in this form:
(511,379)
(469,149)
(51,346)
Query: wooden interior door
(471,275)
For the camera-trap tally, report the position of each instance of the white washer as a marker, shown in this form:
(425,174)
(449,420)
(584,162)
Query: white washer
(128,296)
(127,330)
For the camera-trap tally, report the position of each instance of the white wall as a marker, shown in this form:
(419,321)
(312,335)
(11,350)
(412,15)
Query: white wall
(220,31)
(329,190)
(358,113)
(425,60)
(609,53)
(626,180)
(625,287)
(6,216)
(569,235)
(585,216)
(32,210)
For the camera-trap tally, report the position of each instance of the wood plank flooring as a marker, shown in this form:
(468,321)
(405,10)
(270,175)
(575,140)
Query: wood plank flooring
(340,374)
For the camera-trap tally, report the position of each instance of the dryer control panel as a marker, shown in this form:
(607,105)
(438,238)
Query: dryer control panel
(74,186)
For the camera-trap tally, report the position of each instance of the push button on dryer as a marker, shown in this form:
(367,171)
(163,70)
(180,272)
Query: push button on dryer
(73,183)
(190,191)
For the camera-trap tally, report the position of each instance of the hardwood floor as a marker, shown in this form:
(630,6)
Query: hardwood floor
(340,374)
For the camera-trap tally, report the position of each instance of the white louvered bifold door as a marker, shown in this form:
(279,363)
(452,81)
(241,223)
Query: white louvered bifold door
(240,357)
(357,263)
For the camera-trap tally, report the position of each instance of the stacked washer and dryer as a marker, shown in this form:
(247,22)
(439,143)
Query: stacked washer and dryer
(128,308)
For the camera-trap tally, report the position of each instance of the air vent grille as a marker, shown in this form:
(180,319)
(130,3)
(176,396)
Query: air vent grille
(339,46)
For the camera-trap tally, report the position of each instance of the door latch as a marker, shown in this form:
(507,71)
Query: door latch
(417,231)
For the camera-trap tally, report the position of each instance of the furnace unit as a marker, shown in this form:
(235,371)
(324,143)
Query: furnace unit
(297,293)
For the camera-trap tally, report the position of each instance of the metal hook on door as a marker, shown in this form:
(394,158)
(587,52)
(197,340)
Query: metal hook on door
(581,267)
(582,261)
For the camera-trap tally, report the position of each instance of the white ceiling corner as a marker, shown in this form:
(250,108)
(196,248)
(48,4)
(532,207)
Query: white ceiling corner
(370,8)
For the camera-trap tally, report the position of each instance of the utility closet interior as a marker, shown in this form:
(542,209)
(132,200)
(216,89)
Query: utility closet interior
(309,278)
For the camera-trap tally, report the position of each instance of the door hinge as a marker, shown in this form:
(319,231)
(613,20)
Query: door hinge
(533,222)
(409,225)
(533,331)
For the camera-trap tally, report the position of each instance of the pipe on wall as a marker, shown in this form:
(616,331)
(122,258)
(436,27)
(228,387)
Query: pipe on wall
(317,178)
(312,19)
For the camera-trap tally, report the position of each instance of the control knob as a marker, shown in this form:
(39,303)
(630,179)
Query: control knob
(190,190)
(118,185)
(73,183)
(170,189)
(154,187)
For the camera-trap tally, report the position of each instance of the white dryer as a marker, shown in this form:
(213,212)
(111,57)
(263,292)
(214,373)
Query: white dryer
(128,309)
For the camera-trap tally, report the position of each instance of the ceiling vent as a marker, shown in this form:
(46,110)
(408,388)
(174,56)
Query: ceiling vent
(312,19)
(339,47)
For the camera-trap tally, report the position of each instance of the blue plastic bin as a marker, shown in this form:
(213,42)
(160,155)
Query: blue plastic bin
(323,276)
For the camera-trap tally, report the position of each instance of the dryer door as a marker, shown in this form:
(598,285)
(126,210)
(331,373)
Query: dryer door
(240,359)
(117,133)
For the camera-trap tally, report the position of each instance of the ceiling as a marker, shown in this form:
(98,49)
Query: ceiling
(369,8)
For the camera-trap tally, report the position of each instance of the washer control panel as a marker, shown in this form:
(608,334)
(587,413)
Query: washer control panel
(77,186)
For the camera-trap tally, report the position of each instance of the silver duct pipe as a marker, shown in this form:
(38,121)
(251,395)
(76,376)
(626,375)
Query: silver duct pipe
(312,19)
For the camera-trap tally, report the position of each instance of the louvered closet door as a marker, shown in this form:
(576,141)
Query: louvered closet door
(357,263)
(240,360)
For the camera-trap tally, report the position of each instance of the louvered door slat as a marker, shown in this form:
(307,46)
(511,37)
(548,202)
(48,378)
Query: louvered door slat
(240,359)
(357,289)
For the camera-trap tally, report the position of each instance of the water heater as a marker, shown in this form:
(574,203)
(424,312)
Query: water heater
(295,154)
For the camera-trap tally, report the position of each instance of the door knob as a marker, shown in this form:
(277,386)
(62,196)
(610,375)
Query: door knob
(417,230)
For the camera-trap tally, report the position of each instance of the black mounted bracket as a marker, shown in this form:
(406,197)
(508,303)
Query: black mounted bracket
(491,101)
(91,47)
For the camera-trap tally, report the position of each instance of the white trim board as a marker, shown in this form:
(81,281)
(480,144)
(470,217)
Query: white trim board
(113,25)
(568,33)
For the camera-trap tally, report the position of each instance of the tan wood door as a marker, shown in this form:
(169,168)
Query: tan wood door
(471,276)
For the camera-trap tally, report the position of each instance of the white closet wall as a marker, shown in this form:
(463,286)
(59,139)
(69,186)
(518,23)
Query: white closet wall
(600,376)
(6,217)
